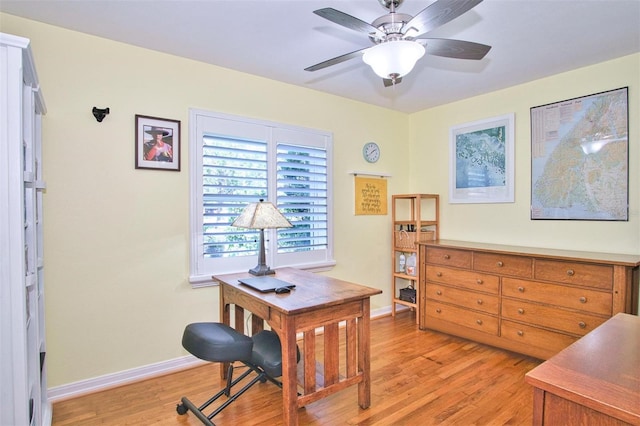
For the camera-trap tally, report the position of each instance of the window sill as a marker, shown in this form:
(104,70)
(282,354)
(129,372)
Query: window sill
(201,281)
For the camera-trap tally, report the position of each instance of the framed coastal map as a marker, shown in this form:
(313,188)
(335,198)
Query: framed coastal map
(579,158)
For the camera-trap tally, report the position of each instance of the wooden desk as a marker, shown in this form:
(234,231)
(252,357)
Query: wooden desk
(596,380)
(316,302)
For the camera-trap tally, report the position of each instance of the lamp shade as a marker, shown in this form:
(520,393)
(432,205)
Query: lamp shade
(261,215)
(393,59)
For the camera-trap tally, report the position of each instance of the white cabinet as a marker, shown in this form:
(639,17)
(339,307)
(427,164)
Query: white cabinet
(23,384)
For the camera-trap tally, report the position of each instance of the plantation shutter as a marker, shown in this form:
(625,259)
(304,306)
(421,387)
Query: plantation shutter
(242,161)
(234,175)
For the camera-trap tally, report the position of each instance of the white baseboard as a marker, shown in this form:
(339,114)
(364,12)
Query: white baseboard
(381,312)
(96,384)
(120,378)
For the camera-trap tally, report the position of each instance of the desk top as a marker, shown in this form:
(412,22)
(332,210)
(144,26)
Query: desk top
(312,291)
(601,370)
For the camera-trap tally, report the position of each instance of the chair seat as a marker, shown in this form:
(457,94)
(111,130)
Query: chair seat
(216,342)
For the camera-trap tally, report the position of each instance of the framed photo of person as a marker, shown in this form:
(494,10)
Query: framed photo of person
(157,143)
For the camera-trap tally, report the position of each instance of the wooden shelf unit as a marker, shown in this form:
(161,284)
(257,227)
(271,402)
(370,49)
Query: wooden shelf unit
(415,218)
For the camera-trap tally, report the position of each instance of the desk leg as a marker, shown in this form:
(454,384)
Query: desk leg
(289,375)
(364,356)
(226,319)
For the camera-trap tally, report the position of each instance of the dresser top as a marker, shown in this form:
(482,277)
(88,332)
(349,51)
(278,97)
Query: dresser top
(582,256)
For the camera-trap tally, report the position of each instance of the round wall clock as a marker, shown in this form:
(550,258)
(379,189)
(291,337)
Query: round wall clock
(371,152)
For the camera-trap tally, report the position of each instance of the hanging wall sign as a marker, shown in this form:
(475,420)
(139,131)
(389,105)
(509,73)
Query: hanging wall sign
(371,196)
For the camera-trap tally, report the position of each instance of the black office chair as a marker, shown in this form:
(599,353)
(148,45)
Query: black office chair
(217,342)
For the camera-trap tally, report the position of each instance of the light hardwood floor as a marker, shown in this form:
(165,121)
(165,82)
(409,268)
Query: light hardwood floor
(418,378)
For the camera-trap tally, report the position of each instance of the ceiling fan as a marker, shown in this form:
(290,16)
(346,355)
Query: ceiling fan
(400,39)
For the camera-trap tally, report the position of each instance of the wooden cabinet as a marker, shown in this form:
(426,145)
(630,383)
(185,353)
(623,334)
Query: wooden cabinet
(23,383)
(415,218)
(593,381)
(528,300)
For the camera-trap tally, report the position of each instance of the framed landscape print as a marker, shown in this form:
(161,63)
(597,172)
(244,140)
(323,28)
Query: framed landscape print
(579,158)
(481,161)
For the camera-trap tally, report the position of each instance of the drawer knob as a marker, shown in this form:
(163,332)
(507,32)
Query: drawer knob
(583,299)
(439,293)
(521,311)
(479,281)
(571,272)
(479,322)
(438,310)
(521,289)
(438,274)
(520,333)
(479,301)
(447,257)
(500,264)
(582,325)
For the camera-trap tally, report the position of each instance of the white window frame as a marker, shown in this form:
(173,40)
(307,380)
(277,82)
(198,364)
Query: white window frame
(200,122)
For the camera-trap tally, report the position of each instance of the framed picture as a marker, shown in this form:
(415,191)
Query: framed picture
(580,158)
(481,161)
(157,143)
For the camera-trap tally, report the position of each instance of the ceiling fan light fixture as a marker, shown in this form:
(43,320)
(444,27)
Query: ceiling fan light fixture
(393,58)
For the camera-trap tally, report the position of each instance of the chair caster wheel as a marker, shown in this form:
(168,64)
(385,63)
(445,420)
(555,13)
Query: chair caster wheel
(181,409)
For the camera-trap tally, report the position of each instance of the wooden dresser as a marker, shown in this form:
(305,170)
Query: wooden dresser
(533,301)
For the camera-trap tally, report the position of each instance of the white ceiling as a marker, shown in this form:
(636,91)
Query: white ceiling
(531,39)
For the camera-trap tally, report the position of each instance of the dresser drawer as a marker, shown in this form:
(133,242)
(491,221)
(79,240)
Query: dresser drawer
(591,301)
(467,299)
(578,323)
(449,257)
(468,279)
(461,316)
(584,274)
(503,264)
(535,337)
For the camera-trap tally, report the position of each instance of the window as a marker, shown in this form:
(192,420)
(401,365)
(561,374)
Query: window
(237,161)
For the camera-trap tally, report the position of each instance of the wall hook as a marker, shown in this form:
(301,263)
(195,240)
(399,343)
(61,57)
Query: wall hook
(100,114)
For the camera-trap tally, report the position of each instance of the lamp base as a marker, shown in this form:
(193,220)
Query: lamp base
(261,270)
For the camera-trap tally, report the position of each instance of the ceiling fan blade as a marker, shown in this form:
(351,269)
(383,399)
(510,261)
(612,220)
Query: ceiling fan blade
(336,60)
(349,21)
(438,14)
(455,48)
(388,82)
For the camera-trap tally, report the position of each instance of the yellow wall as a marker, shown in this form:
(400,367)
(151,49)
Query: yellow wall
(510,223)
(117,238)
